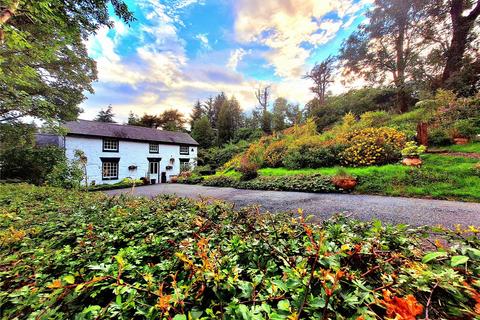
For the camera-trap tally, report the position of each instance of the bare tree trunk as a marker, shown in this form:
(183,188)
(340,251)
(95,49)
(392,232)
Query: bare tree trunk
(461,27)
(5,15)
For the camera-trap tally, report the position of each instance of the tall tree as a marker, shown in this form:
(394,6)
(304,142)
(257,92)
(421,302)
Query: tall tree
(150,121)
(279,114)
(210,111)
(322,76)
(197,113)
(105,115)
(387,49)
(172,120)
(133,119)
(294,114)
(463,14)
(45,68)
(229,120)
(218,103)
(203,132)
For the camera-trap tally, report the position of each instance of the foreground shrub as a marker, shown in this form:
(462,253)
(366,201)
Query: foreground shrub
(69,255)
(373,146)
(124,183)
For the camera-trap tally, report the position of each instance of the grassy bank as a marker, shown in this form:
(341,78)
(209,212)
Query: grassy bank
(440,177)
(76,255)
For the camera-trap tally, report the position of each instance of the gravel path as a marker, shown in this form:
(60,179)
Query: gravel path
(415,212)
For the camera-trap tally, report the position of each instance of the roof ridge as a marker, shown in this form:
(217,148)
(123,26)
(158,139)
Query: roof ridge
(128,125)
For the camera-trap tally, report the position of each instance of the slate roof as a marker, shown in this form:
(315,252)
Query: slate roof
(127,132)
(45,139)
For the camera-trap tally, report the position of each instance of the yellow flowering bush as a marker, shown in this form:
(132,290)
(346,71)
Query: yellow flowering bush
(373,146)
(275,153)
(254,153)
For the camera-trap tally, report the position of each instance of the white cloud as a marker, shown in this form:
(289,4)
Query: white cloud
(202,37)
(159,75)
(290,28)
(236,56)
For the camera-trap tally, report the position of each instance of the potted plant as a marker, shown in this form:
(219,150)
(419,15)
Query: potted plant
(343,180)
(463,131)
(411,154)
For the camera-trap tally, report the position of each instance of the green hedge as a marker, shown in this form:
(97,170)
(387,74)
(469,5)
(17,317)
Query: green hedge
(306,183)
(73,255)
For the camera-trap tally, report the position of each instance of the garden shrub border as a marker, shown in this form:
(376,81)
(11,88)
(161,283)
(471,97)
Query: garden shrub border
(69,254)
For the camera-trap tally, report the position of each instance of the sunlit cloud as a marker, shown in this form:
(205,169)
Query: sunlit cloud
(168,59)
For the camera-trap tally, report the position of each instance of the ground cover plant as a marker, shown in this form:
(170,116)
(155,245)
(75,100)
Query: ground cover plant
(75,255)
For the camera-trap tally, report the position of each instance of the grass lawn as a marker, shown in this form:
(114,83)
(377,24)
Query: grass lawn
(471,148)
(441,177)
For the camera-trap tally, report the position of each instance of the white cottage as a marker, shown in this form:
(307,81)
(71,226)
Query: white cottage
(116,151)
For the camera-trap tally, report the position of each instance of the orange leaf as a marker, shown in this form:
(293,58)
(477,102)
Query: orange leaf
(55,284)
(401,308)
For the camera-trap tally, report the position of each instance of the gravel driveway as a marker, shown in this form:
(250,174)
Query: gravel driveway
(415,212)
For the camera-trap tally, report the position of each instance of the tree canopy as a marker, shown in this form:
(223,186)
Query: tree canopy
(44,66)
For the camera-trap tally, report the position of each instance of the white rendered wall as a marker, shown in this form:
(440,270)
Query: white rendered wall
(130,153)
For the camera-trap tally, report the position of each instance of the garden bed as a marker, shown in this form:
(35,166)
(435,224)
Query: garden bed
(82,255)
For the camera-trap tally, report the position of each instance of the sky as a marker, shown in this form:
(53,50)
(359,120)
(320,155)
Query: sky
(181,51)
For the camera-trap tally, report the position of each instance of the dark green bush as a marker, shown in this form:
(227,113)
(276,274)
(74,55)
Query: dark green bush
(220,181)
(439,137)
(305,183)
(313,156)
(30,164)
(193,179)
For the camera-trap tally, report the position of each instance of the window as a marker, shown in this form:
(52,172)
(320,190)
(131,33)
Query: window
(110,168)
(184,150)
(110,145)
(184,165)
(153,147)
(153,167)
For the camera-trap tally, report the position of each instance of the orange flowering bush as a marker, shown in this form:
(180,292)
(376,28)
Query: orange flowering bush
(373,146)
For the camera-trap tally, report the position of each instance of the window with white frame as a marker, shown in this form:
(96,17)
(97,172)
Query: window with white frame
(184,150)
(110,145)
(109,169)
(184,165)
(153,148)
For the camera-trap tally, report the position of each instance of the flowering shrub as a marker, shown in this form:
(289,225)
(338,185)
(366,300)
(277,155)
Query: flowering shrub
(247,169)
(373,146)
(73,255)
(255,151)
(274,154)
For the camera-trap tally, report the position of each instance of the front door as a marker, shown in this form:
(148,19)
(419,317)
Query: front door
(153,170)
